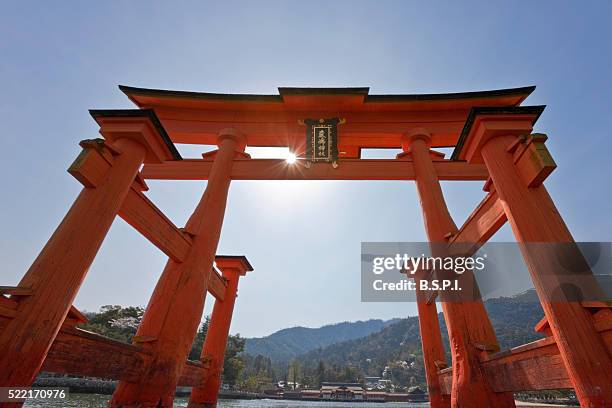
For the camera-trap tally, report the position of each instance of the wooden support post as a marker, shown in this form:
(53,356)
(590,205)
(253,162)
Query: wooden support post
(215,342)
(57,273)
(467,322)
(534,218)
(433,349)
(175,309)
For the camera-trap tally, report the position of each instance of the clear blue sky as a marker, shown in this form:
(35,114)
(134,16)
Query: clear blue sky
(58,59)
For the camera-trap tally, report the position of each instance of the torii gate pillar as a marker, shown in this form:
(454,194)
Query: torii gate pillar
(494,138)
(107,169)
(434,357)
(467,321)
(175,309)
(213,352)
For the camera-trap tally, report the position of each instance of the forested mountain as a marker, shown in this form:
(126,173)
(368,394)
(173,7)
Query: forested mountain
(285,345)
(395,350)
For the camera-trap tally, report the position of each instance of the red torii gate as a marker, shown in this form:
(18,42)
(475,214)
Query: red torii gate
(489,131)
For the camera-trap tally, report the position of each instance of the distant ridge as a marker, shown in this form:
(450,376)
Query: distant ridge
(513,319)
(286,344)
(381,341)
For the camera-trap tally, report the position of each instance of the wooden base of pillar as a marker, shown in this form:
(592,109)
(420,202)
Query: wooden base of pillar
(466,329)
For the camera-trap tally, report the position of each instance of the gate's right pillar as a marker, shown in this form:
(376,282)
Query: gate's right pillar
(467,322)
(493,136)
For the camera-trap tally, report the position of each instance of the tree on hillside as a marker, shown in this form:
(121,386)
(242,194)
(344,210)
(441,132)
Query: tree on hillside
(259,373)
(115,322)
(320,375)
(294,372)
(256,382)
(351,374)
(121,323)
(198,342)
(233,364)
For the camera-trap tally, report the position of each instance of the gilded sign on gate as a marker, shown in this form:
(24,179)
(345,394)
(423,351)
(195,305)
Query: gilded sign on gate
(322,140)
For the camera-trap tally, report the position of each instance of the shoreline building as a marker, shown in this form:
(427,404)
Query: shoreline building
(354,392)
(339,391)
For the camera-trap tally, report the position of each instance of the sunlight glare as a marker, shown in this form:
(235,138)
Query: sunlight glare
(291,158)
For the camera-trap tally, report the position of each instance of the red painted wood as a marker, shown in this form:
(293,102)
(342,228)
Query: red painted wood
(467,322)
(175,308)
(530,367)
(57,273)
(215,342)
(273,121)
(92,165)
(138,211)
(82,353)
(433,350)
(278,169)
(217,285)
(482,224)
(534,218)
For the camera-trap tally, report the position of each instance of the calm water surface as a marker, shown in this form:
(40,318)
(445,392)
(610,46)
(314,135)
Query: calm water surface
(99,401)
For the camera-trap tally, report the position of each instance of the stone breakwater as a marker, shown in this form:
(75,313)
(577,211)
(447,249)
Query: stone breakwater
(81,385)
(87,385)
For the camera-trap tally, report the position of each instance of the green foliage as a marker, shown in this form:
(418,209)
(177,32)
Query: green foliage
(233,364)
(514,319)
(320,374)
(397,346)
(258,373)
(198,342)
(115,322)
(121,323)
(256,382)
(294,372)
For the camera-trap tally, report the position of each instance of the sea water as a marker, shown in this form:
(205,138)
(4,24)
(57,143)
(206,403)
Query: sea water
(100,401)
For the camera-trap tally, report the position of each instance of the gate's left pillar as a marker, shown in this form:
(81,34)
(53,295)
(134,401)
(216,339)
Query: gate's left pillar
(175,309)
(107,169)
(213,352)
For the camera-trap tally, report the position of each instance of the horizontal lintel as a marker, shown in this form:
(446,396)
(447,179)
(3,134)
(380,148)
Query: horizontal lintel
(279,169)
